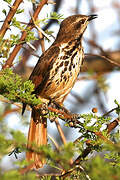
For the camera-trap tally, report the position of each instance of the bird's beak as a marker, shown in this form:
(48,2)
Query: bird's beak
(91,17)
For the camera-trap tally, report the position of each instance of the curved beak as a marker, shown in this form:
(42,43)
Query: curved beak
(91,17)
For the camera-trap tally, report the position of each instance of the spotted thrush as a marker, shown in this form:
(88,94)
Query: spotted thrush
(54,76)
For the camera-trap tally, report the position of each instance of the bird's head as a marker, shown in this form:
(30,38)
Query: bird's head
(74,26)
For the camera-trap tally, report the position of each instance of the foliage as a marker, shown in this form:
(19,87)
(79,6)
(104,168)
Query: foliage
(14,174)
(13,88)
(102,169)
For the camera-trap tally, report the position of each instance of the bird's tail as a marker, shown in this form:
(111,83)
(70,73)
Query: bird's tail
(37,136)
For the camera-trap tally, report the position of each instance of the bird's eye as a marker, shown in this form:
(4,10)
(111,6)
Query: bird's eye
(82,21)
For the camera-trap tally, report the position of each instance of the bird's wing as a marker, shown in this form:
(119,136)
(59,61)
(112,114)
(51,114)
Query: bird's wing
(42,68)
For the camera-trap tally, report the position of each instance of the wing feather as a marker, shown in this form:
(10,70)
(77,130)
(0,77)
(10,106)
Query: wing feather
(42,68)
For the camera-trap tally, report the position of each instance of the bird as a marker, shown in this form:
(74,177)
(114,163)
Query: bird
(54,76)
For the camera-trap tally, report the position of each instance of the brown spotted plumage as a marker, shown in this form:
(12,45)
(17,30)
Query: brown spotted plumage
(55,74)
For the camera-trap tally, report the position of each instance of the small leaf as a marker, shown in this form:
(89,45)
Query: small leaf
(19,11)
(8,1)
(4,12)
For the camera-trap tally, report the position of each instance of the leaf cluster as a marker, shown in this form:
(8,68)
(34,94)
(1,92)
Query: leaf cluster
(13,88)
(14,174)
(6,44)
(102,169)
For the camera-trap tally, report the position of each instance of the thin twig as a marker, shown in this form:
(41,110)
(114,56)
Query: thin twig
(112,125)
(9,61)
(40,30)
(60,131)
(16,104)
(91,77)
(7,101)
(54,142)
(88,150)
(10,111)
(101,136)
(77,167)
(42,42)
(60,113)
(31,46)
(9,17)
(106,58)
(109,112)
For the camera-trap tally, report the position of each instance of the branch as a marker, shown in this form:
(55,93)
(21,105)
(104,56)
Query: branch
(106,114)
(76,123)
(113,125)
(9,111)
(101,136)
(88,150)
(68,117)
(101,64)
(9,17)
(105,54)
(60,131)
(24,34)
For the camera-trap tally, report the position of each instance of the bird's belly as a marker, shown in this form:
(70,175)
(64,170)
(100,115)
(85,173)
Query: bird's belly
(62,78)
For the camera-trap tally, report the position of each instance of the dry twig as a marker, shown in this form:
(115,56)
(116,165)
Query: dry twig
(30,25)
(9,17)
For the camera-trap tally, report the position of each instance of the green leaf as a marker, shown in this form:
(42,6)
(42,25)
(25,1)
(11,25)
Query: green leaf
(13,88)
(54,15)
(8,1)
(4,12)
(18,136)
(14,174)
(116,102)
(19,11)
(30,36)
(118,108)
(15,23)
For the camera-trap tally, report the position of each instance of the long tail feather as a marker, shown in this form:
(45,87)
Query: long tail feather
(37,136)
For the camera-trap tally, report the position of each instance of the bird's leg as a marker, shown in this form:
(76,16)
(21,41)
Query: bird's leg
(42,110)
(56,105)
